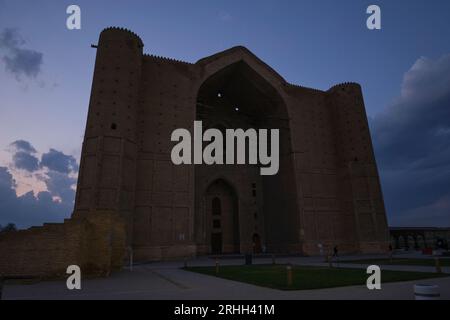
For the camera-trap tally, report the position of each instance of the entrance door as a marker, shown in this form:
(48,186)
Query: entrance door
(222,221)
(216,243)
(257,248)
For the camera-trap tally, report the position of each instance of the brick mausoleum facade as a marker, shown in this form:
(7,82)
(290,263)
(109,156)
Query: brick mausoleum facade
(327,190)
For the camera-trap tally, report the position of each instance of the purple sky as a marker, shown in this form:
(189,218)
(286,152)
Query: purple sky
(46,73)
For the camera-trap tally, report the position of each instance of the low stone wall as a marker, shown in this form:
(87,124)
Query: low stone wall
(96,243)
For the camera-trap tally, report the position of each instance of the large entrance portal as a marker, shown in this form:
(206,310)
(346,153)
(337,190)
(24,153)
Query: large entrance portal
(237,210)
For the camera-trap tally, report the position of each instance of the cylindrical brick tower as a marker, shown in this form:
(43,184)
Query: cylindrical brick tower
(351,124)
(360,192)
(108,160)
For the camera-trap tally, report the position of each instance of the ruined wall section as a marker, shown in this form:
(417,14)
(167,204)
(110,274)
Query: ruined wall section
(96,244)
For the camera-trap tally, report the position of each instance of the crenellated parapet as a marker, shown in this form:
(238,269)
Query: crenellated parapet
(165,59)
(117,34)
(344,85)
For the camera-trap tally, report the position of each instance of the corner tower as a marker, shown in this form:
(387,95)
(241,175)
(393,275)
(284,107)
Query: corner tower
(359,194)
(108,160)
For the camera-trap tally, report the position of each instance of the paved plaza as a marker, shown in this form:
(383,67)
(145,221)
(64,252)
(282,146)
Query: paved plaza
(166,280)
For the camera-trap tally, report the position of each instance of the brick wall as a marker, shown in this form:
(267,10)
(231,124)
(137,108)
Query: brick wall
(96,243)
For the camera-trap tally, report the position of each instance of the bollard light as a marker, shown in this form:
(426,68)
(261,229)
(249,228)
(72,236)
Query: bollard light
(289,275)
(438,265)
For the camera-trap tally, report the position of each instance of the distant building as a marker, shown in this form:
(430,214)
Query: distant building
(414,238)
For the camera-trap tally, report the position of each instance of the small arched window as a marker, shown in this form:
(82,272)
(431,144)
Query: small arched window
(216,207)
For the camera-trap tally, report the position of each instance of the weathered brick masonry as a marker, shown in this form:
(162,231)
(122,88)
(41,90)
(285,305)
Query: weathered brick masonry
(326,192)
(95,243)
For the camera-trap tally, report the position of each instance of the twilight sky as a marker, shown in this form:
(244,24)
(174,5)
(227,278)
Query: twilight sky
(404,69)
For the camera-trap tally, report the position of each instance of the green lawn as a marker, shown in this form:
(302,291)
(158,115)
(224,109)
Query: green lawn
(304,278)
(444,262)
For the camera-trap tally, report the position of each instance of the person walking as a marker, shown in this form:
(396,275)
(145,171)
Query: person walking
(336,255)
(335,252)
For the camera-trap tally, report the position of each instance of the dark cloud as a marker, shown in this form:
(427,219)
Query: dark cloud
(28,210)
(24,62)
(54,160)
(23,156)
(19,61)
(59,162)
(7,183)
(60,185)
(412,143)
(55,169)
(22,145)
(10,38)
(25,161)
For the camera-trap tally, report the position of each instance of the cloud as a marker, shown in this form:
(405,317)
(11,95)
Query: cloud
(55,169)
(22,145)
(412,142)
(24,62)
(7,183)
(28,210)
(60,185)
(25,161)
(59,162)
(19,61)
(23,156)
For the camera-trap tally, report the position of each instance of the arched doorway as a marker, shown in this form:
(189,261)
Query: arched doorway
(257,246)
(216,234)
(222,217)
